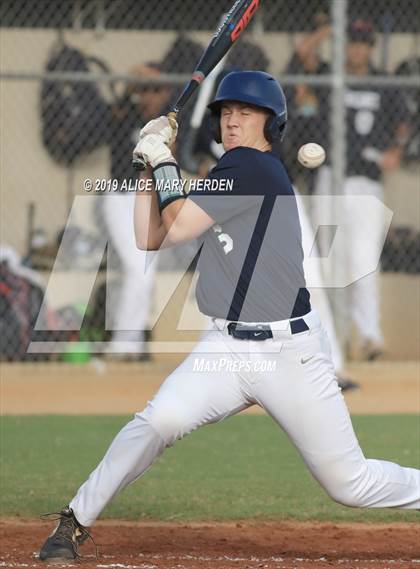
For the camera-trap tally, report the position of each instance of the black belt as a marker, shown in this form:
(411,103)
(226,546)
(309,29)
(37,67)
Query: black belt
(259,332)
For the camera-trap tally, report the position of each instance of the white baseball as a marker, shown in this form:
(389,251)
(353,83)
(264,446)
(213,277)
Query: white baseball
(311,155)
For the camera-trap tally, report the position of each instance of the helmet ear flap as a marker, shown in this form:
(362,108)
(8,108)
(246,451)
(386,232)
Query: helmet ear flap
(274,128)
(215,127)
(269,129)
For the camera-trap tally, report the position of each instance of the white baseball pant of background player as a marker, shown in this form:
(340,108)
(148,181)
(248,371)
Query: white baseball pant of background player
(131,309)
(319,297)
(301,394)
(365,293)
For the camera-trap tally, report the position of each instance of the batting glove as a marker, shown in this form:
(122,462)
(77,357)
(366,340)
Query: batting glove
(164,127)
(153,150)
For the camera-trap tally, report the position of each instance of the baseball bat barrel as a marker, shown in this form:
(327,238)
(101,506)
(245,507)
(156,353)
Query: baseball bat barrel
(227,33)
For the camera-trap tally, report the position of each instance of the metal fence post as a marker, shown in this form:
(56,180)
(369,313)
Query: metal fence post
(339,10)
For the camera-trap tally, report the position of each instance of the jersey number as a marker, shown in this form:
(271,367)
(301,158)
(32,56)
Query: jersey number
(224,238)
(363,122)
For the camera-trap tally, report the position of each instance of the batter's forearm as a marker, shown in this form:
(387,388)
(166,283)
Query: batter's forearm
(170,213)
(148,228)
(152,226)
(169,190)
(149,233)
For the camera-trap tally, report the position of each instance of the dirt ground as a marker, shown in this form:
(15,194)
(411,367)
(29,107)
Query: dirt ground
(103,387)
(246,545)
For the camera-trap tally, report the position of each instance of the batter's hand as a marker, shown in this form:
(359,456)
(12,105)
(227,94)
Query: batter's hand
(164,127)
(153,149)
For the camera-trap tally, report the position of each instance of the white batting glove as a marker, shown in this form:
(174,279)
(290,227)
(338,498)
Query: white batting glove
(167,129)
(153,150)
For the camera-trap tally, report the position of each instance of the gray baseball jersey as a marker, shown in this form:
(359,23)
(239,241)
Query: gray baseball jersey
(251,261)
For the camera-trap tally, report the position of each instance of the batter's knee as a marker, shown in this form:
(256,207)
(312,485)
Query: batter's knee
(169,422)
(346,486)
(346,496)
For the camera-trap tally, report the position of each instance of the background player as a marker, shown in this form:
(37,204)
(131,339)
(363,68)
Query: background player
(377,131)
(252,285)
(306,105)
(138,105)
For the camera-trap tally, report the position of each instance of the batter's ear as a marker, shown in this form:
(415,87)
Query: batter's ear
(215,129)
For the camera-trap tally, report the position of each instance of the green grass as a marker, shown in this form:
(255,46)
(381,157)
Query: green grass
(244,467)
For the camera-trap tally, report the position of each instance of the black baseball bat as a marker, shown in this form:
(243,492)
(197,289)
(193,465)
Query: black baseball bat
(225,36)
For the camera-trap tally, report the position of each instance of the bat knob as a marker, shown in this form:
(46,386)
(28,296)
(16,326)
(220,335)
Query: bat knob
(138,164)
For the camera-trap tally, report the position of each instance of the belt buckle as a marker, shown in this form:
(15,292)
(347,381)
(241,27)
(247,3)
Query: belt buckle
(264,334)
(235,333)
(258,332)
(261,332)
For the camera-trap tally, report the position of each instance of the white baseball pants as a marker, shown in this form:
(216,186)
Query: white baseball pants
(364,293)
(298,390)
(129,315)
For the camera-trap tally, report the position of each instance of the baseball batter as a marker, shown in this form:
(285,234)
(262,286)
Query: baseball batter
(251,284)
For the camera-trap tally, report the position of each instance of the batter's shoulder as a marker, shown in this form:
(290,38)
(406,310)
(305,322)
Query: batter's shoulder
(237,164)
(236,158)
(253,171)
(243,158)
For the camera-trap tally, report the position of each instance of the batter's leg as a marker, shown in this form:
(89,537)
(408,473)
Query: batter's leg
(304,399)
(192,396)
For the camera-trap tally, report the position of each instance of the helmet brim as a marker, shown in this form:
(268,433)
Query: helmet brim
(215,106)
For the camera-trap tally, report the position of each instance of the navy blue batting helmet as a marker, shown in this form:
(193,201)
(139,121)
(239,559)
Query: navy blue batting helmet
(256,88)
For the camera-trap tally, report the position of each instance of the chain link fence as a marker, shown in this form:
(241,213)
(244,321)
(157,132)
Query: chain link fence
(80,77)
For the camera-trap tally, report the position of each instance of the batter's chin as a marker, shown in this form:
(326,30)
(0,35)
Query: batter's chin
(231,144)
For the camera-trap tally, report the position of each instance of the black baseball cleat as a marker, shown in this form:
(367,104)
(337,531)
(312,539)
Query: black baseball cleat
(347,384)
(63,544)
(371,351)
